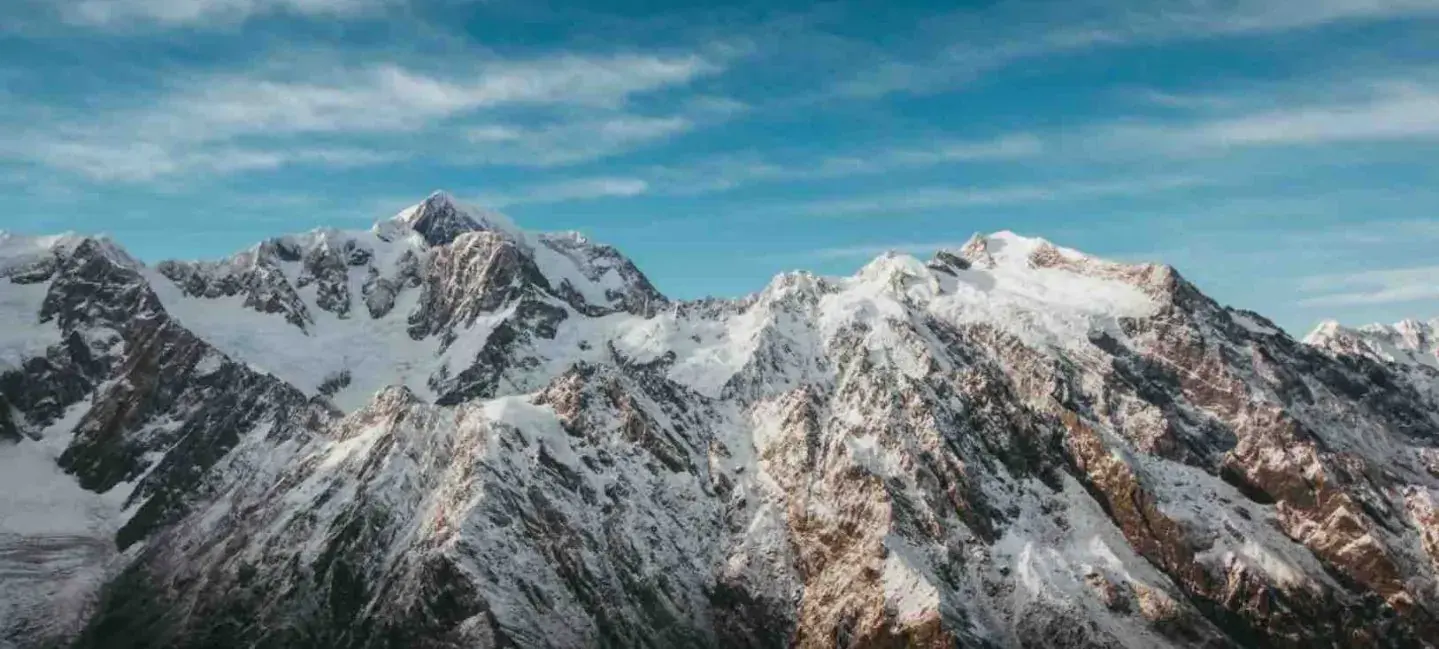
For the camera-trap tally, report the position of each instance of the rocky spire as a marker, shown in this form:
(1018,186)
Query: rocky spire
(439,220)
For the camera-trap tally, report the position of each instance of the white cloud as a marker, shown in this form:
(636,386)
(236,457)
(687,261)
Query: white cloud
(1276,15)
(1187,102)
(1403,114)
(715,106)
(567,190)
(957,198)
(975,46)
(143,161)
(1401,107)
(1009,147)
(231,123)
(570,142)
(723,173)
(393,98)
(1373,287)
(111,13)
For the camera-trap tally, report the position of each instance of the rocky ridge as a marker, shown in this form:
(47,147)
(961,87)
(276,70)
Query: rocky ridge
(449,432)
(1408,342)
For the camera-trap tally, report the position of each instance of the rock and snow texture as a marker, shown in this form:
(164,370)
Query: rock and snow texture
(449,432)
(1409,342)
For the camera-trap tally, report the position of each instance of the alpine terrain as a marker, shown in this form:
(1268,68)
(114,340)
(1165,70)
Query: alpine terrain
(448,432)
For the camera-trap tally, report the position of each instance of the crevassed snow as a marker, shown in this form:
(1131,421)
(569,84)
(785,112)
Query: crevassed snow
(55,537)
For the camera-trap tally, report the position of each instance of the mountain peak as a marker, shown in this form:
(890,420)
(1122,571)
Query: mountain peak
(976,251)
(440,197)
(1013,443)
(440,219)
(1325,329)
(1409,342)
(18,250)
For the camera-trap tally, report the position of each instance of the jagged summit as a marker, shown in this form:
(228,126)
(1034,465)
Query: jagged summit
(448,432)
(17,250)
(440,219)
(1410,341)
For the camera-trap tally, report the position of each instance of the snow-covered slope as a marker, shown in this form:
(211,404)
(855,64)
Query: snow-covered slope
(449,432)
(1409,342)
(409,302)
(111,416)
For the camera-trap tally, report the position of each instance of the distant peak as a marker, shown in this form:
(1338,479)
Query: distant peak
(976,251)
(891,263)
(440,219)
(1323,331)
(1411,326)
(439,198)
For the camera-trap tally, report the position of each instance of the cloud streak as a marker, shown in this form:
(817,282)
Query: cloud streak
(730,172)
(1397,112)
(934,198)
(191,13)
(968,53)
(141,162)
(567,190)
(390,97)
(241,122)
(571,142)
(1390,286)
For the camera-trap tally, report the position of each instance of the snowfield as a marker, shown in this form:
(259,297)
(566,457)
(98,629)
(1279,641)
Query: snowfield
(447,431)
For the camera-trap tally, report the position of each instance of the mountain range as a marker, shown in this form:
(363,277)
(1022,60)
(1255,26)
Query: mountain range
(447,431)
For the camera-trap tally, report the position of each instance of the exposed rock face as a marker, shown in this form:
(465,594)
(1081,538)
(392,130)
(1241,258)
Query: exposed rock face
(1408,342)
(135,407)
(518,442)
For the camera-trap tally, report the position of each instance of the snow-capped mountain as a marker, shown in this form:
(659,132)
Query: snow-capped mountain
(1408,342)
(449,432)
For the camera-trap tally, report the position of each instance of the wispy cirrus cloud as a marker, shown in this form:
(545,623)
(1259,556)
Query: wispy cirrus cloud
(138,162)
(1210,18)
(1389,286)
(234,122)
(1404,113)
(721,173)
(388,97)
(567,190)
(569,142)
(1392,112)
(967,47)
(933,198)
(192,13)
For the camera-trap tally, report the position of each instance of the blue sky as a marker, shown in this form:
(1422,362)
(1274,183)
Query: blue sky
(1284,155)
